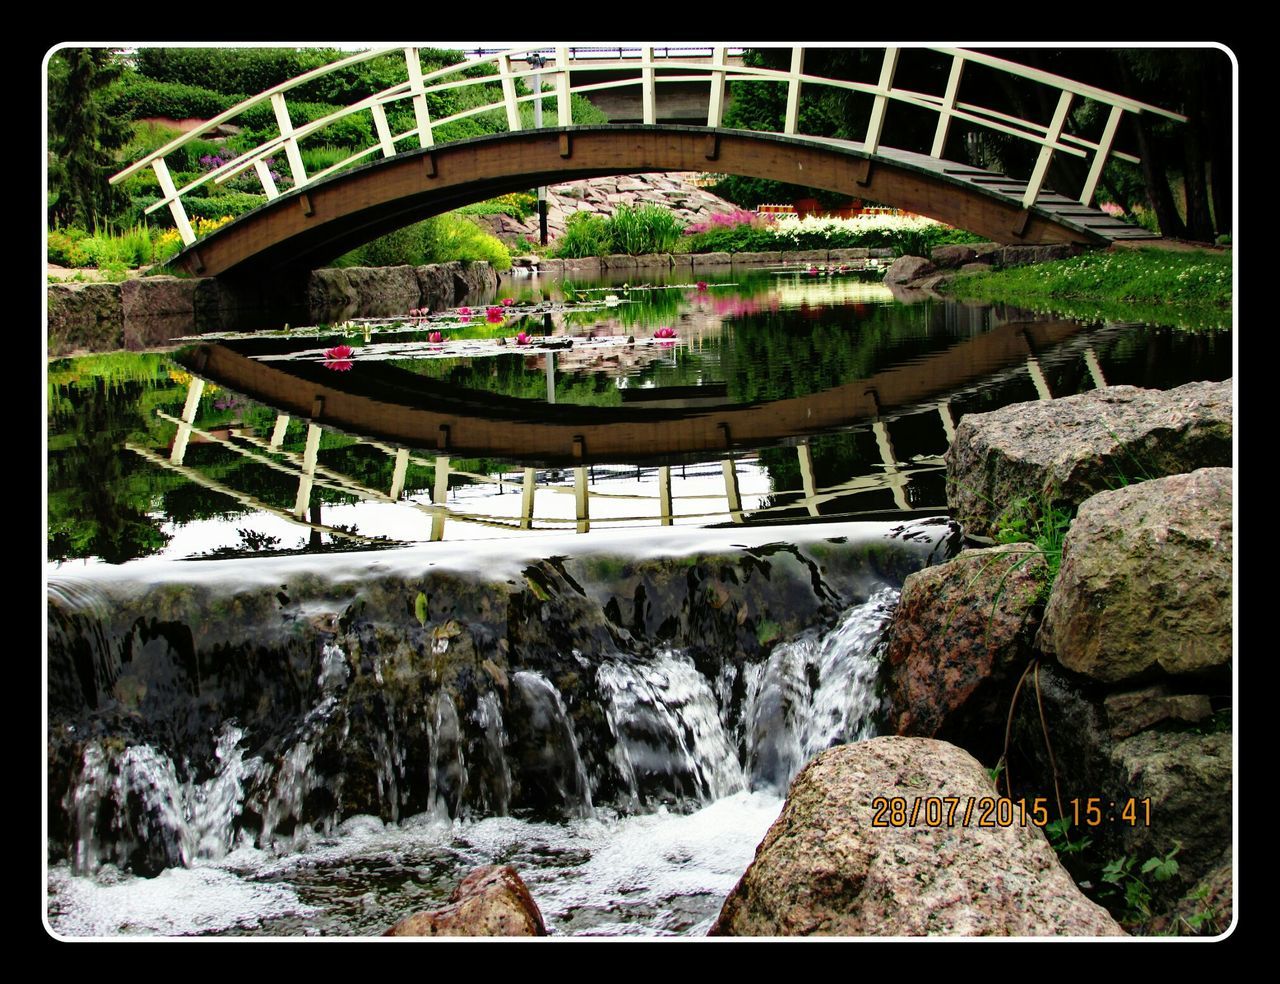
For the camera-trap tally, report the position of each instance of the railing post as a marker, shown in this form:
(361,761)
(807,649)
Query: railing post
(715,108)
(664,495)
(792,123)
(876,124)
(564,108)
(1046,152)
(440,497)
(1100,158)
(509,92)
(383,129)
(948,107)
(647,95)
(268,182)
(290,144)
(421,116)
(526,499)
(170,193)
(398,474)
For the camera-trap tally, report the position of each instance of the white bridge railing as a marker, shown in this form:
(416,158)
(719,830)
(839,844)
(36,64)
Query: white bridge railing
(563,67)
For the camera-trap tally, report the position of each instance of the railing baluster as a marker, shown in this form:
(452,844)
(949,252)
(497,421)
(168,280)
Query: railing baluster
(715,108)
(792,124)
(268,182)
(1046,151)
(383,129)
(1100,158)
(290,143)
(421,115)
(175,204)
(648,97)
(564,108)
(876,124)
(509,92)
(948,105)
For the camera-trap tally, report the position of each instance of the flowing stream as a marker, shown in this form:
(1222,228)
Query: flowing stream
(699,765)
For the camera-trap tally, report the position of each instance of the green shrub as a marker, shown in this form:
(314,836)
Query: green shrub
(439,239)
(585,234)
(135,97)
(647,229)
(455,237)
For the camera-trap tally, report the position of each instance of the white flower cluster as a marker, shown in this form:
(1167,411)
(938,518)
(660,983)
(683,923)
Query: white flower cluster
(793,225)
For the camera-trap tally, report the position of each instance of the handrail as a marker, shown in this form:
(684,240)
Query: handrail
(569,62)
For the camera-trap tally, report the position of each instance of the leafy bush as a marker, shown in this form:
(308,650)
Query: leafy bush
(435,240)
(646,229)
(518,205)
(135,96)
(585,234)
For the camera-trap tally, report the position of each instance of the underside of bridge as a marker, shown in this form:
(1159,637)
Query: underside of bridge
(306,228)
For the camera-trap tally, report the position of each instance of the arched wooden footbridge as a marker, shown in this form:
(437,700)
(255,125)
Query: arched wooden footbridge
(411,176)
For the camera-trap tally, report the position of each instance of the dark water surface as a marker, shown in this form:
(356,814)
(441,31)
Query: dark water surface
(243,482)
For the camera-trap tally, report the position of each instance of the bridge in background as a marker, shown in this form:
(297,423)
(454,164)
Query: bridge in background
(406,176)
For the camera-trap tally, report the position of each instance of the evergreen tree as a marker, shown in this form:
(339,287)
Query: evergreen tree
(83,137)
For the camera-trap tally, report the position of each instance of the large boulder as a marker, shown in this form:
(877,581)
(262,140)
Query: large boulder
(908,268)
(1071,448)
(490,901)
(1145,583)
(825,869)
(960,636)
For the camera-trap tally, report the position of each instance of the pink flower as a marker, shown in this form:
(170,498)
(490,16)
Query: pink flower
(465,318)
(508,301)
(522,339)
(464,311)
(665,333)
(338,358)
(813,271)
(494,315)
(702,285)
(435,338)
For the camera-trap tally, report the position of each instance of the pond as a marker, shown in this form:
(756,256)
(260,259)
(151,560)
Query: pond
(267,770)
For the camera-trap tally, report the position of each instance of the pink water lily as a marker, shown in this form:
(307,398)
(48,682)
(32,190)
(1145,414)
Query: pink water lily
(522,339)
(435,338)
(338,358)
(813,271)
(508,301)
(665,333)
(464,311)
(493,315)
(702,285)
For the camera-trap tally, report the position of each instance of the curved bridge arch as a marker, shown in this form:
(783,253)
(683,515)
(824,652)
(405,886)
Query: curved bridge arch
(312,225)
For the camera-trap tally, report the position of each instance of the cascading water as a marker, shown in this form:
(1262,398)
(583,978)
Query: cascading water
(814,692)
(671,741)
(628,782)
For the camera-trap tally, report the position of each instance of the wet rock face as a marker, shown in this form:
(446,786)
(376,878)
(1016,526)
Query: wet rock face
(1186,774)
(825,869)
(1076,446)
(960,637)
(490,901)
(85,317)
(1145,584)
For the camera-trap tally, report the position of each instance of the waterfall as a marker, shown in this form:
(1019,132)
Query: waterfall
(664,733)
(813,692)
(670,738)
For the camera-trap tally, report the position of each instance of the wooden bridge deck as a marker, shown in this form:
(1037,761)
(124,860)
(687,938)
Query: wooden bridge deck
(1068,211)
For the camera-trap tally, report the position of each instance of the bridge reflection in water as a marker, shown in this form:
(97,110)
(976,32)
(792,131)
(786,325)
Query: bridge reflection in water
(670,460)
